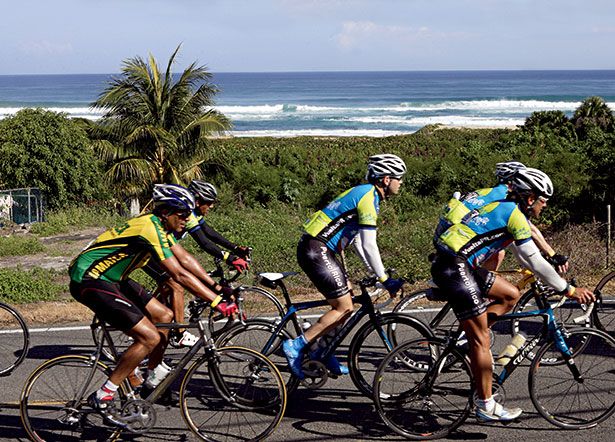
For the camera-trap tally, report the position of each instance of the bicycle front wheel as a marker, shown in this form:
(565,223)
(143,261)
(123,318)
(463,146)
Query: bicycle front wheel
(604,310)
(14,339)
(373,342)
(419,306)
(51,407)
(419,396)
(237,394)
(569,401)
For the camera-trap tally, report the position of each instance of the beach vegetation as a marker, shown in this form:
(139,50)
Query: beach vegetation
(593,113)
(156,125)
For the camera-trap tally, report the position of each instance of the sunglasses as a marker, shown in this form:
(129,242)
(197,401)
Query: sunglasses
(183,214)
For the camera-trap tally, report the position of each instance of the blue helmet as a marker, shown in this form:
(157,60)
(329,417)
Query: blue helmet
(173,197)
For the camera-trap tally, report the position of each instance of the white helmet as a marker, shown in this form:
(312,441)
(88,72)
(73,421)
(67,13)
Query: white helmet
(203,191)
(172,196)
(385,164)
(532,180)
(505,171)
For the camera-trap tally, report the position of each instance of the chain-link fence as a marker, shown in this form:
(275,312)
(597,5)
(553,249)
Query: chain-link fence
(21,206)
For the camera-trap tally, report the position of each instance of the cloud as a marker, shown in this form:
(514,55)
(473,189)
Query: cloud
(358,33)
(44,47)
(604,30)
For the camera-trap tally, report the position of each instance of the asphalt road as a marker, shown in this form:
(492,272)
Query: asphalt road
(336,412)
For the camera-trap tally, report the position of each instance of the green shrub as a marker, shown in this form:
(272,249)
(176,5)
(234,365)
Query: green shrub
(20,245)
(75,218)
(20,286)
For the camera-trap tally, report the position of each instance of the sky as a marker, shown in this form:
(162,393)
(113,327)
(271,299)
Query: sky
(94,36)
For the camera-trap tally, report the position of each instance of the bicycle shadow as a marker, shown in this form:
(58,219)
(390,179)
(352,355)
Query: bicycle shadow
(10,425)
(44,352)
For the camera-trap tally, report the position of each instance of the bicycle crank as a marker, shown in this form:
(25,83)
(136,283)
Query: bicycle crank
(316,375)
(139,416)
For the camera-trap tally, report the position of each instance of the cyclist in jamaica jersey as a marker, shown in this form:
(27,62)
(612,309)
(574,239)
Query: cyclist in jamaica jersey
(208,239)
(459,207)
(327,233)
(100,280)
(456,269)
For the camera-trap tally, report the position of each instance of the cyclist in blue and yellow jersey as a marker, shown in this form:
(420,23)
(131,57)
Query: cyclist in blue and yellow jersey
(456,269)
(208,239)
(100,280)
(462,206)
(327,233)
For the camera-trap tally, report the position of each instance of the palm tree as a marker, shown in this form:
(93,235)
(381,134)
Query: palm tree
(593,112)
(156,125)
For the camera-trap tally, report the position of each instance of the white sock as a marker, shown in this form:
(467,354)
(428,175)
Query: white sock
(486,404)
(108,389)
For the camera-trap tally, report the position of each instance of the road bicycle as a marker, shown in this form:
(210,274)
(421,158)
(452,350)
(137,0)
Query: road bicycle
(424,388)
(373,339)
(14,339)
(252,302)
(604,312)
(225,394)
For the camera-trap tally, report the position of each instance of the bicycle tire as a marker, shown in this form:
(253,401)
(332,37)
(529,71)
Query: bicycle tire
(368,347)
(417,304)
(14,339)
(604,310)
(418,397)
(223,399)
(254,335)
(47,395)
(553,387)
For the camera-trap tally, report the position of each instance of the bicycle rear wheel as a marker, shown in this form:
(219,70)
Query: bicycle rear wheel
(420,397)
(49,407)
(236,394)
(373,342)
(14,339)
(575,403)
(604,311)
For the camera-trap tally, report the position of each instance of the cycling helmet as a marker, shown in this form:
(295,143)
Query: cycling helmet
(532,180)
(204,191)
(385,164)
(505,171)
(172,196)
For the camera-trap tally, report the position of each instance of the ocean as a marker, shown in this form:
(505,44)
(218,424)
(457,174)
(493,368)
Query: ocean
(346,103)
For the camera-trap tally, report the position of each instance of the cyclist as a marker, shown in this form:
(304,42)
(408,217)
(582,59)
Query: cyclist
(208,239)
(100,280)
(457,270)
(459,207)
(327,233)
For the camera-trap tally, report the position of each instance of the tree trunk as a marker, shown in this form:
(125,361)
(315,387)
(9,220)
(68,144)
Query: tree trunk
(135,207)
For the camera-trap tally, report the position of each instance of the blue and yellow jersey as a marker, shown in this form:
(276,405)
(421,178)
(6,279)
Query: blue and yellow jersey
(491,228)
(339,222)
(117,252)
(456,210)
(192,223)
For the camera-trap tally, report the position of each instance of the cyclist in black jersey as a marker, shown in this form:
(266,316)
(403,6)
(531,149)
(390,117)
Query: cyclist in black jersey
(352,214)
(100,280)
(208,239)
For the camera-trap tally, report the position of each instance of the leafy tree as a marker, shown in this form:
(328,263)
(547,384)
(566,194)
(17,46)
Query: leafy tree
(156,124)
(555,121)
(593,112)
(45,149)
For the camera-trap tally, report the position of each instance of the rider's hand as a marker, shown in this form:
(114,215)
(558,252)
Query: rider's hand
(240,264)
(242,251)
(582,295)
(227,308)
(393,285)
(560,262)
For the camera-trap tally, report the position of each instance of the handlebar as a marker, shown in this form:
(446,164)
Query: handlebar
(220,272)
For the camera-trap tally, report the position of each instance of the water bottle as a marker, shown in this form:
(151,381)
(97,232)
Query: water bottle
(305,325)
(511,349)
(156,375)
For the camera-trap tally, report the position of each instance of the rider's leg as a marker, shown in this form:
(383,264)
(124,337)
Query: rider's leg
(158,312)
(504,296)
(481,360)
(341,308)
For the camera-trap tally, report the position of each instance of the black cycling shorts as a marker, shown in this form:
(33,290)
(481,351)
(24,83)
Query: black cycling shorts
(461,285)
(121,305)
(154,270)
(323,268)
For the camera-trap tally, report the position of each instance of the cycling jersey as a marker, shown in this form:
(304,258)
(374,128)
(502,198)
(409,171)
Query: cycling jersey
(338,223)
(456,209)
(490,229)
(118,252)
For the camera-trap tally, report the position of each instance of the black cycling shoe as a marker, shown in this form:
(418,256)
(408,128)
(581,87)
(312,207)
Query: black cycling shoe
(168,398)
(107,409)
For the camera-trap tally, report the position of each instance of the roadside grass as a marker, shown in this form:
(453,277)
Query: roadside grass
(18,286)
(20,245)
(76,218)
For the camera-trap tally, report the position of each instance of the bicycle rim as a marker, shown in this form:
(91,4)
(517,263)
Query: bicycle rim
(236,395)
(14,339)
(419,403)
(48,407)
(569,403)
(604,311)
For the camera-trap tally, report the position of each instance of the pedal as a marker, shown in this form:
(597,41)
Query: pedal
(139,416)
(316,375)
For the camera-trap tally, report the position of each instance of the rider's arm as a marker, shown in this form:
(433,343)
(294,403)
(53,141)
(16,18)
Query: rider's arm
(206,244)
(540,241)
(528,255)
(187,279)
(216,237)
(367,236)
(190,263)
(358,248)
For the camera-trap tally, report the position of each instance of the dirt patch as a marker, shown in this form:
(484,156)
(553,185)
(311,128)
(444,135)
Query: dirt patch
(49,313)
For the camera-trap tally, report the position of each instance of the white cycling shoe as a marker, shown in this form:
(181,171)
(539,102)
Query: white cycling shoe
(498,414)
